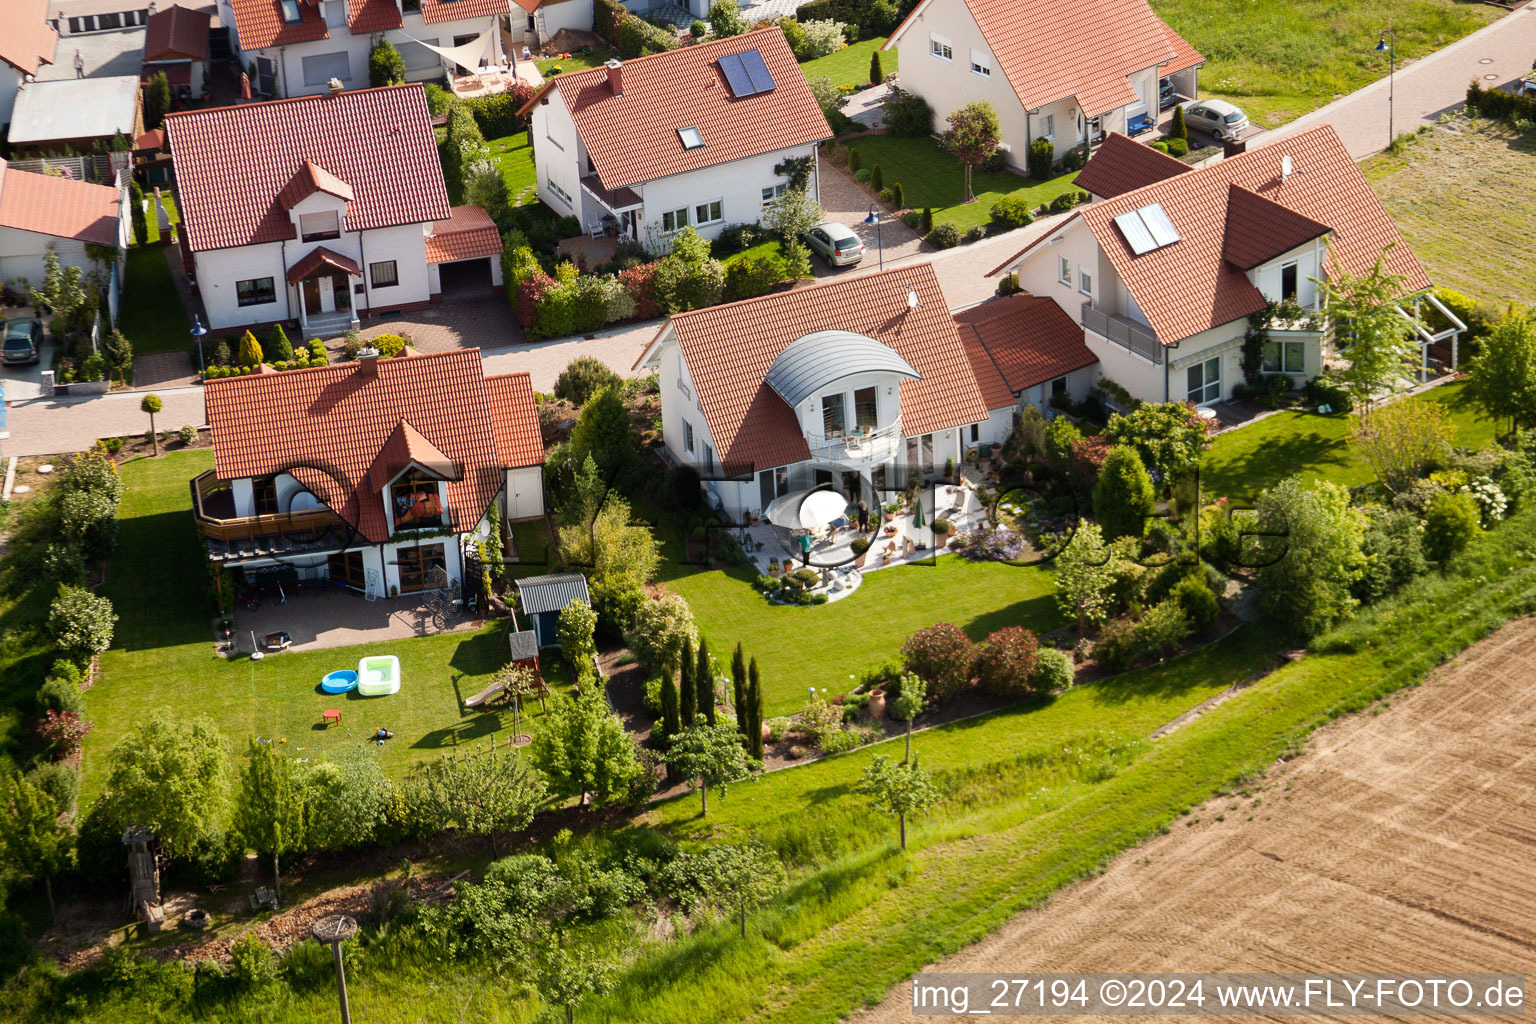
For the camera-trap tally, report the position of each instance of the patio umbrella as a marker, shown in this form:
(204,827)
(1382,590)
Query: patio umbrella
(806,510)
(917,514)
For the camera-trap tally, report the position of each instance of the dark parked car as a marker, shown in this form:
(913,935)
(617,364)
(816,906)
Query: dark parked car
(23,342)
(1167,96)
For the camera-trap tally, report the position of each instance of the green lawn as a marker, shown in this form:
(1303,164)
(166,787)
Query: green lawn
(1243,462)
(850,65)
(514,156)
(761,249)
(931,177)
(151,315)
(163,653)
(1466,203)
(1279,60)
(575,62)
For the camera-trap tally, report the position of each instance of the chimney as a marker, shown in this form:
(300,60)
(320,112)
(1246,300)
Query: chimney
(368,363)
(1231,148)
(335,86)
(615,75)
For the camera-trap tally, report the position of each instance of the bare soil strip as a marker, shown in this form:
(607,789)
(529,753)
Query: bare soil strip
(1404,839)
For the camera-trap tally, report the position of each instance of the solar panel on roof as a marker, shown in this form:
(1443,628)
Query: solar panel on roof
(1136,234)
(757,71)
(1157,222)
(736,75)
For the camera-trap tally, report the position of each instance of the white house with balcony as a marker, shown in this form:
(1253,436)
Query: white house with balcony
(701,136)
(859,382)
(299,46)
(1058,71)
(1163,278)
(377,475)
(322,210)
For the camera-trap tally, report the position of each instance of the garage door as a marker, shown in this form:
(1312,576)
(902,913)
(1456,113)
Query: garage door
(323,67)
(418,57)
(466,279)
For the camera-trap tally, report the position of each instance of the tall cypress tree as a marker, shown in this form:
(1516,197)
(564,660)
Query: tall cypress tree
(754,711)
(686,686)
(704,679)
(671,725)
(739,688)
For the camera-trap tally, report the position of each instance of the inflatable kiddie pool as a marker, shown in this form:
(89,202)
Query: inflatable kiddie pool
(378,676)
(340,681)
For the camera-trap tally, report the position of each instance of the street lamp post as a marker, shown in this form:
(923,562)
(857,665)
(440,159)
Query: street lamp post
(1390,49)
(198,330)
(874,218)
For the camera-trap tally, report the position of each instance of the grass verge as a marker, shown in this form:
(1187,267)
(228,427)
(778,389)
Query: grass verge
(849,67)
(151,315)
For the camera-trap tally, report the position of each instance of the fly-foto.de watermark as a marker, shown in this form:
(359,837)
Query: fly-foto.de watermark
(941,995)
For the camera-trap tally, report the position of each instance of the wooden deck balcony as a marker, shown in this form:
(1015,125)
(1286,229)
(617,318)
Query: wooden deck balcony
(232,538)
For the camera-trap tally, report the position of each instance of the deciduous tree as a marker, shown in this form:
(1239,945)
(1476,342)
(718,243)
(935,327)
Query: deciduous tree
(33,839)
(909,704)
(973,137)
(385,65)
(1170,437)
(1368,330)
(583,749)
(151,404)
(578,623)
(901,788)
(345,799)
(1502,379)
(1085,575)
(270,814)
(734,877)
(171,775)
(1399,439)
(567,975)
(711,754)
(483,792)
(1314,558)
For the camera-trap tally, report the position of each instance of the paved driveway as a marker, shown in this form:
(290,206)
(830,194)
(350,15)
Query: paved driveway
(24,382)
(847,203)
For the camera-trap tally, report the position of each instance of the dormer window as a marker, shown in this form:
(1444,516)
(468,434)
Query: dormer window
(315,227)
(291,14)
(691,138)
(415,502)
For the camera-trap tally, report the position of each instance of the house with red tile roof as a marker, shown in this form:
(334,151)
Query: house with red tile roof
(323,209)
(702,136)
(1163,278)
(300,46)
(27,42)
(1068,72)
(1031,348)
(376,474)
(39,213)
(176,44)
(856,381)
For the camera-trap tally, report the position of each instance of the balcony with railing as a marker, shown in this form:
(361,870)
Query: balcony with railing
(860,445)
(233,538)
(1123,331)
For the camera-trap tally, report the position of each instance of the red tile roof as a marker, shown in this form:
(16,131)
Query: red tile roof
(233,163)
(1028,338)
(729,350)
(151,141)
(1051,50)
(1121,164)
(405,446)
(1189,286)
(1184,55)
(994,390)
(27,41)
(466,235)
(58,206)
(259,24)
(177,33)
(633,138)
(329,425)
(516,419)
(364,16)
(308,180)
(322,257)
(434,11)
(1258,230)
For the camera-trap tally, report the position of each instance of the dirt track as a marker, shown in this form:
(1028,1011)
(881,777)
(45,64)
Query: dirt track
(1400,841)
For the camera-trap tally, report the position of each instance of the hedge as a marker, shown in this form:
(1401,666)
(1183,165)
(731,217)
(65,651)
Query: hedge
(636,38)
(1497,103)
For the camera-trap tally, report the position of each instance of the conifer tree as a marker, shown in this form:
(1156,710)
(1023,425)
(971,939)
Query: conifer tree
(739,687)
(704,680)
(671,723)
(689,705)
(754,711)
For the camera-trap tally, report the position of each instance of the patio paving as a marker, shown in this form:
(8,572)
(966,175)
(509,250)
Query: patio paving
(317,619)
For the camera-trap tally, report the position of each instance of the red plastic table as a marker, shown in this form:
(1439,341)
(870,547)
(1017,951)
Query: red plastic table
(328,715)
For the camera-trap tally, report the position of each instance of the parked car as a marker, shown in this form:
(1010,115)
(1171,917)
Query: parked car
(23,342)
(1167,96)
(1217,118)
(1527,85)
(836,243)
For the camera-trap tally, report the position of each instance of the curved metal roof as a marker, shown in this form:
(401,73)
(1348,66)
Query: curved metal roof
(810,363)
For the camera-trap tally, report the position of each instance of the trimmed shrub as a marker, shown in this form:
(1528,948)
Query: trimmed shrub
(636,38)
(1196,600)
(898,196)
(944,236)
(250,350)
(1123,496)
(1067,200)
(906,114)
(698,30)
(1011,212)
(1450,523)
(60,695)
(1053,670)
(584,377)
(1042,152)
(855,162)
(280,347)
(1179,129)
(1117,647)
(941,655)
(385,65)
(862,175)
(1163,628)
(753,276)
(927,224)
(876,75)
(1005,666)
(1178,147)
(876,179)
(974,233)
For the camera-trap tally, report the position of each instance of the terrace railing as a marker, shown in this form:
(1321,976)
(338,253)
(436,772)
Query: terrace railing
(858,445)
(1128,334)
(206,493)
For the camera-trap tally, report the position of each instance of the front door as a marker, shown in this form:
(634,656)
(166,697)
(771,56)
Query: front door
(312,297)
(342,287)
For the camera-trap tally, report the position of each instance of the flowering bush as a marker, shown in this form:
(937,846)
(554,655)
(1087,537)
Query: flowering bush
(1491,500)
(991,544)
(63,730)
(941,655)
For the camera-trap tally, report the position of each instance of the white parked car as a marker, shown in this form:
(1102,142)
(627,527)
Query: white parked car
(836,243)
(1217,118)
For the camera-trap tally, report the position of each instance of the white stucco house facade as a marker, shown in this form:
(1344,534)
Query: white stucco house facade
(27,42)
(1163,277)
(859,382)
(702,136)
(377,475)
(39,214)
(1065,72)
(322,210)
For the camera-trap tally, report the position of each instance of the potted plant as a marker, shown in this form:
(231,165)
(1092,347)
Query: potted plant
(891,508)
(860,550)
(877,703)
(773,567)
(890,530)
(949,469)
(942,528)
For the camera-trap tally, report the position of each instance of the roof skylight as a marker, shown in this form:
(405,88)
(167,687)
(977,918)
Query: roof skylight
(690,137)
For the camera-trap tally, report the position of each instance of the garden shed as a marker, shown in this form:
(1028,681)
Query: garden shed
(544,597)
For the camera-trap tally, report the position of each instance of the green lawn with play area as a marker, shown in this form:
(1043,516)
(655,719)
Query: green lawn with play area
(514,156)
(849,67)
(931,177)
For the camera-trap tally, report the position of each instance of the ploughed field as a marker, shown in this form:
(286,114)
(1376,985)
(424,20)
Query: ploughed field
(1400,841)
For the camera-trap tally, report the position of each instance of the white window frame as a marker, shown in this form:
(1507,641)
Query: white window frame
(1198,395)
(678,218)
(941,48)
(1064,271)
(700,220)
(1282,364)
(981,64)
(1290,265)
(1059,386)
(687,436)
(317,80)
(1085,281)
(1048,122)
(565,197)
(686,139)
(314,227)
(772,193)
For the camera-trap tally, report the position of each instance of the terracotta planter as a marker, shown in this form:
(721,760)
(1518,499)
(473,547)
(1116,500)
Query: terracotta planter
(890,531)
(767,732)
(860,558)
(877,704)
(940,540)
(890,517)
